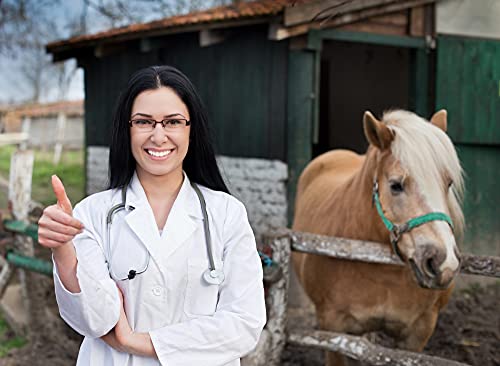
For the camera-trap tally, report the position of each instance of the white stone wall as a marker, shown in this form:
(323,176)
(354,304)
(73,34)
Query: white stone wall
(259,183)
(97,169)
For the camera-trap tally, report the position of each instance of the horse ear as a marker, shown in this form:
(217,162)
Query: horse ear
(440,119)
(376,132)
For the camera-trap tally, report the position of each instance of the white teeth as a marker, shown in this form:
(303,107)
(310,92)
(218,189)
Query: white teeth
(159,154)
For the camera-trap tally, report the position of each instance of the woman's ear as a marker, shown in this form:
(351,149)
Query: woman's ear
(376,132)
(440,119)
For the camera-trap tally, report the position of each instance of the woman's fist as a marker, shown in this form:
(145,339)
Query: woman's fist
(57,226)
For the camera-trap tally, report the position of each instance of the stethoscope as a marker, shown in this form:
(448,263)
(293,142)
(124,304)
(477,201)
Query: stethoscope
(212,275)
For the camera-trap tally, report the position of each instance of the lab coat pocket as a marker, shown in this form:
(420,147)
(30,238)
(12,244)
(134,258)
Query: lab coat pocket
(201,297)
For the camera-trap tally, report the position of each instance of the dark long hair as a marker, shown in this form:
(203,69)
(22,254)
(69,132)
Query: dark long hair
(199,164)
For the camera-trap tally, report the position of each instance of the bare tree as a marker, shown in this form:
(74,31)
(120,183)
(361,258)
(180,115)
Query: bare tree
(27,25)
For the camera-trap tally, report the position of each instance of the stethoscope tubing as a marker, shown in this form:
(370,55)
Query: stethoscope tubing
(212,276)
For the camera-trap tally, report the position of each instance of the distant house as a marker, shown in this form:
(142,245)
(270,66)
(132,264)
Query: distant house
(285,80)
(47,124)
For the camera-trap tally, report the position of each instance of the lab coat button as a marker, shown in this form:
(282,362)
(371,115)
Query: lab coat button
(157,290)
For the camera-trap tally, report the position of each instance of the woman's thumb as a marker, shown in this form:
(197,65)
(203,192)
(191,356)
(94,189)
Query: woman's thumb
(62,199)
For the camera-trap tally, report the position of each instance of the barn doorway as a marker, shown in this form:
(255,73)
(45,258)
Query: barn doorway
(356,77)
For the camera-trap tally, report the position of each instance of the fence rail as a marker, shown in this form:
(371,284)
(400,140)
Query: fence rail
(372,252)
(283,241)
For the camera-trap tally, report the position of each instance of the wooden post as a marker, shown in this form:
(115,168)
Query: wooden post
(25,128)
(21,168)
(277,297)
(61,126)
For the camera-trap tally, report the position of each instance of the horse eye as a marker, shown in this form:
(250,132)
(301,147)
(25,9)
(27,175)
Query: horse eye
(450,184)
(396,187)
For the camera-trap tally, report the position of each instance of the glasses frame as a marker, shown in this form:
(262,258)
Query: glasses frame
(162,122)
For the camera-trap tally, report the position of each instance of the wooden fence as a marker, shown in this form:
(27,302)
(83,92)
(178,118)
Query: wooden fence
(272,343)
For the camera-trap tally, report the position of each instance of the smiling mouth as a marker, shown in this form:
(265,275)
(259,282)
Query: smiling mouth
(158,153)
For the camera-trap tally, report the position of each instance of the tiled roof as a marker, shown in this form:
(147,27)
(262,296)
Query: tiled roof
(237,11)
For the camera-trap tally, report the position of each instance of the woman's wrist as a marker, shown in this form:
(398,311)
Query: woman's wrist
(139,344)
(66,262)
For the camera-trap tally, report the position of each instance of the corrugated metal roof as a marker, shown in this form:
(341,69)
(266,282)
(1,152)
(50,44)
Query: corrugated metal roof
(237,11)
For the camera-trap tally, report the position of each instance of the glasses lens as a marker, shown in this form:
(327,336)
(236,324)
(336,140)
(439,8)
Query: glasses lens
(174,124)
(143,124)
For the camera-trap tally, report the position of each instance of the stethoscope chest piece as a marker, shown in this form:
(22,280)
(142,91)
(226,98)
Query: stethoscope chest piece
(213,276)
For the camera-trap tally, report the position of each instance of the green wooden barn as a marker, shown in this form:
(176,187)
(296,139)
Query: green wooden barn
(285,80)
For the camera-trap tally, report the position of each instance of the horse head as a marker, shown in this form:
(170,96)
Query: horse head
(417,190)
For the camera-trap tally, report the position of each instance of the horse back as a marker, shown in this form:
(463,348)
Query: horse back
(320,180)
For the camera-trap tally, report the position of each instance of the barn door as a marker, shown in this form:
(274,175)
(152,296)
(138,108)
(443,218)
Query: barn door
(468,86)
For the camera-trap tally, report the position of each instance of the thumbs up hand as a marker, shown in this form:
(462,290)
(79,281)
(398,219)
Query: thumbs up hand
(57,226)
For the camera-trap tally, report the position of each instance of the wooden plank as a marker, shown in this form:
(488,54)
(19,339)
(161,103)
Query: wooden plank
(369,27)
(361,349)
(481,204)
(354,17)
(419,82)
(372,252)
(417,21)
(321,9)
(277,298)
(468,74)
(300,102)
(363,37)
(13,138)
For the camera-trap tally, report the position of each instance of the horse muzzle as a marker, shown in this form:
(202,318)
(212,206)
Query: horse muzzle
(426,265)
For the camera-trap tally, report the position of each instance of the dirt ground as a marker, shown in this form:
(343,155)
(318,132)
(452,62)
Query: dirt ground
(468,330)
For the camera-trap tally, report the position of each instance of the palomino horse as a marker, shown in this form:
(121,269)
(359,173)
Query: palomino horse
(410,181)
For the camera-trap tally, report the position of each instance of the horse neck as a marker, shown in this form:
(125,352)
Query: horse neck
(363,220)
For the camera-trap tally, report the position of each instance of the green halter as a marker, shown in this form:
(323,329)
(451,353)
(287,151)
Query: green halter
(397,230)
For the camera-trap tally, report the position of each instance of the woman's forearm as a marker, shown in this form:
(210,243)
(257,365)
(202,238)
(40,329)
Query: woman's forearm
(140,344)
(66,261)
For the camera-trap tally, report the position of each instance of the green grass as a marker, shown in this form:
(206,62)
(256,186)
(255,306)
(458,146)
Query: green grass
(8,340)
(70,169)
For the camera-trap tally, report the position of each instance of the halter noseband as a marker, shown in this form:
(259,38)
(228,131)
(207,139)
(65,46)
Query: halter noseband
(395,230)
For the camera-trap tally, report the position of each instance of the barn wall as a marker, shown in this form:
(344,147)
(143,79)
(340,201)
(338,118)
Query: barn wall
(468,78)
(242,82)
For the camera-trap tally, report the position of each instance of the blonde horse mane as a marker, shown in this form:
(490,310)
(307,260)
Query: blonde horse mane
(426,151)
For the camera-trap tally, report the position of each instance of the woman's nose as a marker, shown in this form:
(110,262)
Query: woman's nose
(158,135)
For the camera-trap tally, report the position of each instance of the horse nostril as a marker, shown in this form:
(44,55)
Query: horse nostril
(429,267)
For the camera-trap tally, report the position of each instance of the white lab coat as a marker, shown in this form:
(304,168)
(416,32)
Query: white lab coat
(189,321)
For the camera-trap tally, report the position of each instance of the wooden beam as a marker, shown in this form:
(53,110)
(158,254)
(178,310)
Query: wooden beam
(321,9)
(354,17)
(365,37)
(13,138)
(372,252)
(417,22)
(359,348)
(210,37)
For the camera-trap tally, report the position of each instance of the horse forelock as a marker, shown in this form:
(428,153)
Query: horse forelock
(428,155)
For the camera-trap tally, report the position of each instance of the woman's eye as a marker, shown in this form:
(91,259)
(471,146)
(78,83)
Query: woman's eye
(396,187)
(174,122)
(142,122)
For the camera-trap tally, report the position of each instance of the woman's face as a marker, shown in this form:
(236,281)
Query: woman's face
(159,152)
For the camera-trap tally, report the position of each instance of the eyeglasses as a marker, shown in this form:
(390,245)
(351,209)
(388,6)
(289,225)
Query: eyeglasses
(168,124)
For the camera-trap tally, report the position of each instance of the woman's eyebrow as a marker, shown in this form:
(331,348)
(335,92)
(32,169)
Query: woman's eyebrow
(150,116)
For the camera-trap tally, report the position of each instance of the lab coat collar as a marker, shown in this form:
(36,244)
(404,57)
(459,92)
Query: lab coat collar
(180,225)
(186,198)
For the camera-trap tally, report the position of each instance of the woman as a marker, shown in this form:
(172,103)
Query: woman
(133,269)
